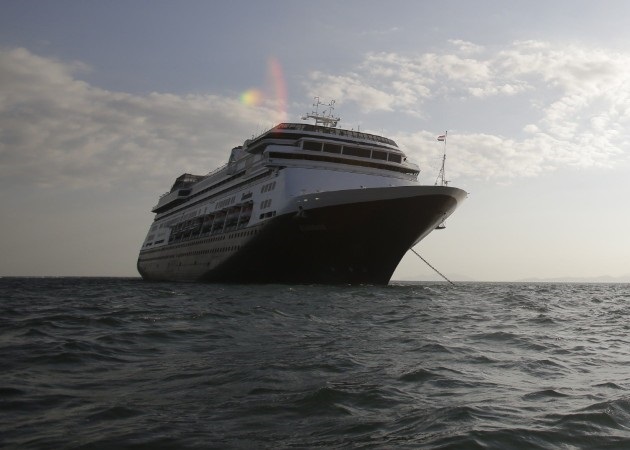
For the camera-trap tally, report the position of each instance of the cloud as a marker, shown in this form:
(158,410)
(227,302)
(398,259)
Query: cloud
(351,88)
(466,46)
(573,101)
(56,130)
(569,105)
(380,32)
(474,155)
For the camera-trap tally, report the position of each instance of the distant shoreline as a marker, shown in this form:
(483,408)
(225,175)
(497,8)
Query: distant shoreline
(576,280)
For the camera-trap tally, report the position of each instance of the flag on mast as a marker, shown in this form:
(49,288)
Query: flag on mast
(442,175)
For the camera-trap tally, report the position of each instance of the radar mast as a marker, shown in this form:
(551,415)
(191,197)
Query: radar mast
(325,117)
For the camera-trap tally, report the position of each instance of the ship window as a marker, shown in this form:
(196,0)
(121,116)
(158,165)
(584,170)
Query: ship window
(313,146)
(332,148)
(393,157)
(356,151)
(377,154)
(268,187)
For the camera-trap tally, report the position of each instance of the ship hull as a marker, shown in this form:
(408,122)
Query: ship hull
(344,237)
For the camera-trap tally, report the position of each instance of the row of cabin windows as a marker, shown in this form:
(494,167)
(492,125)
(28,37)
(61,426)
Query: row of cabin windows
(200,252)
(267,215)
(225,202)
(236,186)
(351,151)
(149,244)
(196,242)
(268,187)
(170,205)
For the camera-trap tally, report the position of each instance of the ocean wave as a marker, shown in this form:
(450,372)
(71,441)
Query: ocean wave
(102,363)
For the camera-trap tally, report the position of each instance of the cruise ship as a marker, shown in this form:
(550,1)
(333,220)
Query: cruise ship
(300,203)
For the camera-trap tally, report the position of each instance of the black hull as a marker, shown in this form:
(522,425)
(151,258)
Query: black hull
(350,243)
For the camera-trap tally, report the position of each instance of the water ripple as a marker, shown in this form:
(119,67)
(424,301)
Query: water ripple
(105,363)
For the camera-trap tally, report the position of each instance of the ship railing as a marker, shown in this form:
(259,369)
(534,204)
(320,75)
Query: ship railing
(215,171)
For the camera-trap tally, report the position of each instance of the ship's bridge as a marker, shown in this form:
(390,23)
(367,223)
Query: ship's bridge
(284,132)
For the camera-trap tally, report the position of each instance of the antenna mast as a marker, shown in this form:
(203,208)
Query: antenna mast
(442,174)
(325,118)
(442,179)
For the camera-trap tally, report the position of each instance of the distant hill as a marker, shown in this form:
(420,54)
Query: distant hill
(463,278)
(600,279)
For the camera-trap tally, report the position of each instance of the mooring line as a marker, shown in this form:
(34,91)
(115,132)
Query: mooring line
(427,263)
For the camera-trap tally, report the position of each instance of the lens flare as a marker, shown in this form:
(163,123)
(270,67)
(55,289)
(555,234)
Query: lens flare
(252,97)
(275,95)
(279,86)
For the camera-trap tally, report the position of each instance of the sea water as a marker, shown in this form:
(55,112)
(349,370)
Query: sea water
(122,363)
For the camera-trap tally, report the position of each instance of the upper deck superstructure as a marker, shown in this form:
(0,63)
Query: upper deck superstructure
(297,142)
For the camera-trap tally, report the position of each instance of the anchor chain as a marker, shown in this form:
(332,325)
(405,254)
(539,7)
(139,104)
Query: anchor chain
(428,264)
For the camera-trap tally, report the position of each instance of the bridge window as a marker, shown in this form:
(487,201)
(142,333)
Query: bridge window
(356,151)
(332,148)
(313,146)
(377,154)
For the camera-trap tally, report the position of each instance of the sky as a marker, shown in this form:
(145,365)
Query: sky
(103,104)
